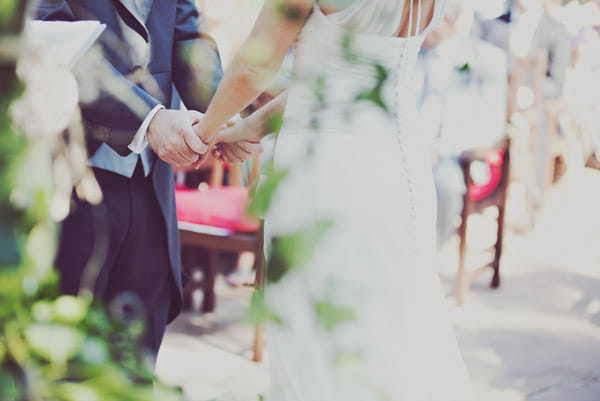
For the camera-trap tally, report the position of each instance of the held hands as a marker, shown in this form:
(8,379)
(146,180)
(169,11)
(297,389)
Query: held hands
(237,141)
(234,143)
(174,137)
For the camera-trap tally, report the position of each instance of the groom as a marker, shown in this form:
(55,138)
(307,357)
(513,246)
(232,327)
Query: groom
(135,132)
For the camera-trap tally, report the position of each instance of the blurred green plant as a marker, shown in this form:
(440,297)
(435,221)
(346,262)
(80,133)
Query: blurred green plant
(293,251)
(52,347)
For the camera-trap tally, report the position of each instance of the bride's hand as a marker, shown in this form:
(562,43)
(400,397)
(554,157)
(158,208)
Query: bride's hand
(243,129)
(237,141)
(236,152)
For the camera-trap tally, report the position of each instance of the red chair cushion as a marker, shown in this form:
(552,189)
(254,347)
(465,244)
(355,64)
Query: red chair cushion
(223,207)
(494,160)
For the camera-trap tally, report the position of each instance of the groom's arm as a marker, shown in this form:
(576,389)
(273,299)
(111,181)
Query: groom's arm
(197,69)
(113,93)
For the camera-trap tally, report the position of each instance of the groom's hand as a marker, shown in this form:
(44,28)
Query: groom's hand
(171,136)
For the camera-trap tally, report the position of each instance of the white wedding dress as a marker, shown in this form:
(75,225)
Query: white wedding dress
(368,170)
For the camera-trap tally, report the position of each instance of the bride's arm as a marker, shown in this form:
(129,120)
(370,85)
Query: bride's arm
(254,127)
(256,63)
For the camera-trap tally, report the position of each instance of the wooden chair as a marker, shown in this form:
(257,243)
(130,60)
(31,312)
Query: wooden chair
(472,204)
(213,240)
(524,122)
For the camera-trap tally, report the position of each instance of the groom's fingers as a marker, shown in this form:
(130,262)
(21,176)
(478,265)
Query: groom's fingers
(187,158)
(193,141)
(195,115)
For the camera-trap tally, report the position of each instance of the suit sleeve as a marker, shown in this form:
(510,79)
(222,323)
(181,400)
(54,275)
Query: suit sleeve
(559,60)
(113,107)
(197,68)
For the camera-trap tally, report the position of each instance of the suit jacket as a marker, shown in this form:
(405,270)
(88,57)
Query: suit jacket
(182,56)
(550,35)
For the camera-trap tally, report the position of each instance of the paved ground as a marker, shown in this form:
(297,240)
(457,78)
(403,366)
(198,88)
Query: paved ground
(535,339)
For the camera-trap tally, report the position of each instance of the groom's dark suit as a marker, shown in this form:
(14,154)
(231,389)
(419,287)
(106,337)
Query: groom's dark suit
(141,255)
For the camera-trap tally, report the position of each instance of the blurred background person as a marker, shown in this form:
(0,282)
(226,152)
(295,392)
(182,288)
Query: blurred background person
(462,91)
(523,30)
(582,91)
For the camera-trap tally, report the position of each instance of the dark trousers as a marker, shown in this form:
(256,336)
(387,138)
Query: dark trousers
(119,250)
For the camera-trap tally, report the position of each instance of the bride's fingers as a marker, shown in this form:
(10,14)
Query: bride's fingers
(218,153)
(198,163)
(251,147)
(226,135)
(227,157)
(239,154)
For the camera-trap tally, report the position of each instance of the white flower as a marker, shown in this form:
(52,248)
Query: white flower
(50,99)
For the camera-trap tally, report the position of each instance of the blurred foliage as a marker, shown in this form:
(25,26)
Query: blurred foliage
(293,251)
(374,94)
(65,348)
(331,315)
(52,347)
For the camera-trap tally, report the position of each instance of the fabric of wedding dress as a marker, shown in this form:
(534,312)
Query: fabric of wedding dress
(356,157)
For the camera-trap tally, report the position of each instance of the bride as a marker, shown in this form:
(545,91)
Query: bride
(351,144)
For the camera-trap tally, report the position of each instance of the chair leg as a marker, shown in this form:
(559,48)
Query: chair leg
(209,300)
(498,248)
(461,276)
(259,341)
(259,285)
(188,298)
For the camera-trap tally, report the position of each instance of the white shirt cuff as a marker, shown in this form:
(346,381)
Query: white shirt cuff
(139,142)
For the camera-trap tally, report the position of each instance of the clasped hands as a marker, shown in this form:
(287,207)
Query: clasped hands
(176,136)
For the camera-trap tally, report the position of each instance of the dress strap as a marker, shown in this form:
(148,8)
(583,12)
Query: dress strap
(417,30)
(419,16)
(410,18)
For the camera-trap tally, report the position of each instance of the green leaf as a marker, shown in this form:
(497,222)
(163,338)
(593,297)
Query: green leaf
(348,51)
(94,351)
(9,251)
(42,311)
(260,312)
(292,251)
(466,67)
(69,309)
(275,122)
(78,392)
(350,364)
(10,390)
(374,94)
(331,315)
(56,343)
(262,194)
